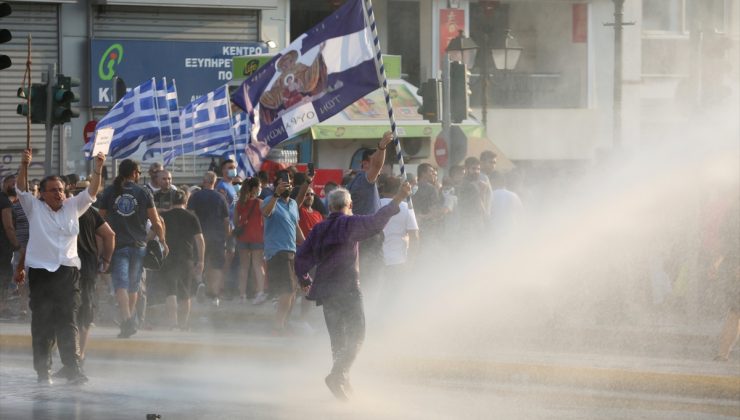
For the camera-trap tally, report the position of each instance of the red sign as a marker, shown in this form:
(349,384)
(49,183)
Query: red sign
(89,131)
(440,151)
(451,22)
(580,22)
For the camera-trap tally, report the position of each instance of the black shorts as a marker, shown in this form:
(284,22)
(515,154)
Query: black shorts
(89,304)
(215,257)
(281,273)
(178,278)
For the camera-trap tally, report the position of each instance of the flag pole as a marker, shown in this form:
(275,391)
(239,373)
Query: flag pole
(156,107)
(370,18)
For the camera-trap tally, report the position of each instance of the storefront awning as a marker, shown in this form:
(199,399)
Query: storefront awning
(368,117)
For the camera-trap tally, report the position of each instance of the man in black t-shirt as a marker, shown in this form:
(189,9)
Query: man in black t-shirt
(184,235)
(92,226)
(164,196)
(8,241)
(213,213)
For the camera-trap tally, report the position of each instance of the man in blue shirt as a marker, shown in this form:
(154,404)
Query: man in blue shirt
(228,186)
(281,231)
(366,200)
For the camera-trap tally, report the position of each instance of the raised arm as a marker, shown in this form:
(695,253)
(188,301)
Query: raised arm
(270,206)
(96,177)
(22,181)
(378,158)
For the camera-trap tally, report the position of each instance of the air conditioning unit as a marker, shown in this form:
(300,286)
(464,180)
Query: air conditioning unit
(416,147)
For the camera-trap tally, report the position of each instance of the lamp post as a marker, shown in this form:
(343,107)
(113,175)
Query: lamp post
(461,49)
(505,52)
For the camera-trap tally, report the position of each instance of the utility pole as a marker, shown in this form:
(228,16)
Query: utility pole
(50,77)
(618,24)
(446,100)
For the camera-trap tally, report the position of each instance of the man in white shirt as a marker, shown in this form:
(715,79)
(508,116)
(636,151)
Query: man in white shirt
(53,268)
(400,235)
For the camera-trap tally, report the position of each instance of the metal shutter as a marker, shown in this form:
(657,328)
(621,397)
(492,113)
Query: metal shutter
(41,21)
(171,23)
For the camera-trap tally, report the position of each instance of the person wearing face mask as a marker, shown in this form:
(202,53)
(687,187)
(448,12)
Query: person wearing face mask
(281,234)
(249,227)
(228,187)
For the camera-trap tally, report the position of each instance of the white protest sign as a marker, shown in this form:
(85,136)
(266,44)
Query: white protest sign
(103,138)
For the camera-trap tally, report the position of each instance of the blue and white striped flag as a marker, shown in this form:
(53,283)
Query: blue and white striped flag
(134,120)
(169,119)
(318,75)
(205,126)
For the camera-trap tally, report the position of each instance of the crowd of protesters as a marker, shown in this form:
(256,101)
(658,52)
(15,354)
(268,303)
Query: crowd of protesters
(233,238)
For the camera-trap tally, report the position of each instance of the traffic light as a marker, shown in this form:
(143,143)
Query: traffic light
(459,92)
(62,100)
(5,35)
(38,103)
(430,96)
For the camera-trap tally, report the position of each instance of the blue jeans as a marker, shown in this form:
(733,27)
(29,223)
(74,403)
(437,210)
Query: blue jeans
(126,266)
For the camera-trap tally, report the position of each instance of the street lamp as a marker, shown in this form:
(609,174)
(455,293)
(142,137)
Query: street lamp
(462,49)
(506,52)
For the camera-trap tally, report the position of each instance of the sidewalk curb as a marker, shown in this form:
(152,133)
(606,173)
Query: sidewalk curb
(612,379)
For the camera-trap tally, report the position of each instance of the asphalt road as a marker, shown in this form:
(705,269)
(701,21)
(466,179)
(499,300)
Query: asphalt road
(219,388)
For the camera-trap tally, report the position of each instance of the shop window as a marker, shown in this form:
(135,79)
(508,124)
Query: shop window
(663,15)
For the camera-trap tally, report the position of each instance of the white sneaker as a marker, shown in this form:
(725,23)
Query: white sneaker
(260,298)
(216,302)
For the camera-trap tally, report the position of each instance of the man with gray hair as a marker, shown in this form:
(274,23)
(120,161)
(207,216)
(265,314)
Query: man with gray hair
(332,246)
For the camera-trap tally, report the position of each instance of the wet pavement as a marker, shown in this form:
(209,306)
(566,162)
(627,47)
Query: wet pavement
(230,366)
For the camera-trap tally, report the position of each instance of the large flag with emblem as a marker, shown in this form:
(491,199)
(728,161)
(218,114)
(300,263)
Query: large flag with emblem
(315,77)
(134,119)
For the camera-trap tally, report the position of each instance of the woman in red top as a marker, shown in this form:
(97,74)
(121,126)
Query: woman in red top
(250,242)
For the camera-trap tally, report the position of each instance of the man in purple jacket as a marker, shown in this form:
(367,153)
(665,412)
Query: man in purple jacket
(332,248)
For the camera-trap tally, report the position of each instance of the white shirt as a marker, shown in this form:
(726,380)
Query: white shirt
(396,242)
(506,211)
(53,234)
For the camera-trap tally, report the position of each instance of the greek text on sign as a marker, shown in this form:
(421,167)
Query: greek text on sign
(300,118)
(103,138)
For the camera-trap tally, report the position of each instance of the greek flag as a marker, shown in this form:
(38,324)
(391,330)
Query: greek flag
(205,126)
(134,119)
(318,75)
(169,119)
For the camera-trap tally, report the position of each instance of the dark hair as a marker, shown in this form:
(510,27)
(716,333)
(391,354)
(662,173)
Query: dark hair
(126,169)
(299,178)
(391,185)
(278,174)
(224,163)
(262,176)
(178,197)
(488,155)
(471,161)
(367,153)
(72,179)
(42,184)
(423,168)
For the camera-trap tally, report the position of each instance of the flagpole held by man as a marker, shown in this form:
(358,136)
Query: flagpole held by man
(332,247)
